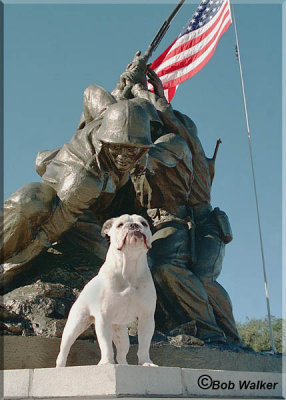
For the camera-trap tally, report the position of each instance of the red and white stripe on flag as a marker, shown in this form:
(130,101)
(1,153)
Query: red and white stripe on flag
(194,46)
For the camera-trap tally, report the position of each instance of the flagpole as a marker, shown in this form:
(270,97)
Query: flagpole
(254,184)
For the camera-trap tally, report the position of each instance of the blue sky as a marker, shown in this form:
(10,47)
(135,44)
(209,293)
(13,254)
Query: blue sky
(54,51)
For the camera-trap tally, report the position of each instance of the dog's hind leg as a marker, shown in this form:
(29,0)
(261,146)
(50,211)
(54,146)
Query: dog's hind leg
(78,321)
(121,341)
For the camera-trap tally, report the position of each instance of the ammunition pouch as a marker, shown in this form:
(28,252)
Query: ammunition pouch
(222,221)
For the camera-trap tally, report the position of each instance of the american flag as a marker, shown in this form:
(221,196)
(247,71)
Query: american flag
(194,46)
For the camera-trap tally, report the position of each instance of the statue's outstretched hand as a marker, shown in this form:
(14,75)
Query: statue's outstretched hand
(155,81)
(135,73)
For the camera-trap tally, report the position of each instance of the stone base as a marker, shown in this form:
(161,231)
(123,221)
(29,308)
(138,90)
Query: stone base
(102,382)
(36,352)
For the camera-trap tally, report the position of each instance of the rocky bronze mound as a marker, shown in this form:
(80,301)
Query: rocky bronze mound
(38,302)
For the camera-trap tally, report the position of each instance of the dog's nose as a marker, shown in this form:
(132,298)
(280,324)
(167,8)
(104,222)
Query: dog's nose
(133,225)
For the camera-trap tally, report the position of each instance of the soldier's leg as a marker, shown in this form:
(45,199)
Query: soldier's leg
(23,213)
(58,222)
(222,307)
(181,295)
(210,251)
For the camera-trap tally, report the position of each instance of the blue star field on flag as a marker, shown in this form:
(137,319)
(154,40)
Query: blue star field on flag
(204,14)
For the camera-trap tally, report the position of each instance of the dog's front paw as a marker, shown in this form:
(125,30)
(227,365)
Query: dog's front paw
(60,362)
(105,362)
(148,364)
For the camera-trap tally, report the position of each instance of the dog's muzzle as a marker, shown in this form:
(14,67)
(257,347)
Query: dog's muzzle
(136,233)
(133,230)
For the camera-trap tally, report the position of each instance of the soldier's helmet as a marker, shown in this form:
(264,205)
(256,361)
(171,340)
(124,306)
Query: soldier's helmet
(150,109)
(126,123)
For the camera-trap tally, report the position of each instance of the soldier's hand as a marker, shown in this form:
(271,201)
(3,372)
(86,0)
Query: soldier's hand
(155,81)
(135,72)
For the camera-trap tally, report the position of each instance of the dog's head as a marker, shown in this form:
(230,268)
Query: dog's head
(128,230)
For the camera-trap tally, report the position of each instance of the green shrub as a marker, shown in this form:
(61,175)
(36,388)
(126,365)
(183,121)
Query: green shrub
(255,333)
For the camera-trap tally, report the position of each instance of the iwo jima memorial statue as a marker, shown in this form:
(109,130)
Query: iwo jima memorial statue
(131,153)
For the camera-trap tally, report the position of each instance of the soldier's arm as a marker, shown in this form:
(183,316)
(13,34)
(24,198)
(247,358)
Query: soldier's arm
(174,121)
(135,73)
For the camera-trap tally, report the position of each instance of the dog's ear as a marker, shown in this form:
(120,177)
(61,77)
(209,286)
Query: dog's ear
(106,227)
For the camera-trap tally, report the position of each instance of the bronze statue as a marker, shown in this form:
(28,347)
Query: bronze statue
(210,231)
(88,180)
(83,177)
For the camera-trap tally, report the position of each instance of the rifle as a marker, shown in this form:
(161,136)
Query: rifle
(162,31)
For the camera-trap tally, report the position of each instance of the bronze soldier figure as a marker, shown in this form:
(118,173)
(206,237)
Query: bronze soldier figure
(82,177)
(211,226)
(163,187)
(174,261)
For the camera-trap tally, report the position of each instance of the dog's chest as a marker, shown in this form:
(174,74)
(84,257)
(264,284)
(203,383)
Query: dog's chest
(122,301)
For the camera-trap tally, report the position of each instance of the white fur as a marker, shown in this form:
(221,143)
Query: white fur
(122,291)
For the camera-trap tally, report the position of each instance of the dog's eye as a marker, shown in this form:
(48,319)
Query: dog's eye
(120,225)
(145,224)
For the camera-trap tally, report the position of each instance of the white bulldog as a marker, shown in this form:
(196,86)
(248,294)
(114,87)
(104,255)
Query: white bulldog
(122,291)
